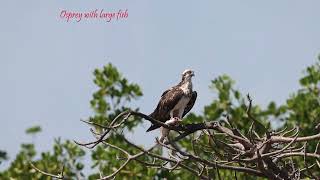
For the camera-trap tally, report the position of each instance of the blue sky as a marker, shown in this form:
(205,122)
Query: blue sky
(46,63)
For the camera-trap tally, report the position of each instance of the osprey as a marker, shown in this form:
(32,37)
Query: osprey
(175,102)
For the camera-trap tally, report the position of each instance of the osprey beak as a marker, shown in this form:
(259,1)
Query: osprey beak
(192,74)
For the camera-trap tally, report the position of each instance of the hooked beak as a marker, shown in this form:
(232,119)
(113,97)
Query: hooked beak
(192,74)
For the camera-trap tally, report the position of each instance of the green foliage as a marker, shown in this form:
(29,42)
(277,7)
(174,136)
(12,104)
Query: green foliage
(66,153)
(234,104)
(114,91)
(112,97)
(229,102)
(33,130)
(303,107)
(3,156)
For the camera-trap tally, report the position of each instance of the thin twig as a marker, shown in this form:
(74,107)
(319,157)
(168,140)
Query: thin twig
(59,176)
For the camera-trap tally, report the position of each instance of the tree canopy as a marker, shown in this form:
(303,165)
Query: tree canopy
(233,138)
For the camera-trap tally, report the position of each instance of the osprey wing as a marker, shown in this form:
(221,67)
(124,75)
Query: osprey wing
(191,103)
(167,102)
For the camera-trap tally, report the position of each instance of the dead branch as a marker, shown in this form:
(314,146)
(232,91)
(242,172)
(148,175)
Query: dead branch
(249,152)
(59,176)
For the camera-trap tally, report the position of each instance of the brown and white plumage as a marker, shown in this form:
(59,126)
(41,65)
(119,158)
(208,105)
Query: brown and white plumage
(175,102)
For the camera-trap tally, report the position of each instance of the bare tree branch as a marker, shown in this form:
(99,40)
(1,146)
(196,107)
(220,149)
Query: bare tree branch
(228,148)
(59,176)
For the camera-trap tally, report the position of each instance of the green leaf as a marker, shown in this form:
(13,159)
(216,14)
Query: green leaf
(33,130)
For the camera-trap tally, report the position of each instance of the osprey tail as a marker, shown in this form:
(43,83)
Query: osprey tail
(153,126)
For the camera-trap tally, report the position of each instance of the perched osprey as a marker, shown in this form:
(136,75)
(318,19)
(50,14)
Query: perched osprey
(175,102)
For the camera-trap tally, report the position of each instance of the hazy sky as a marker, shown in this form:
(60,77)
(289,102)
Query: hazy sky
(46,63)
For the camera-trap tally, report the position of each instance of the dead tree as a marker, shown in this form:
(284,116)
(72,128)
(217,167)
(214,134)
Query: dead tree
(267,155)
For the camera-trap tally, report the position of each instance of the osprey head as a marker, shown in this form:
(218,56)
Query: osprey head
(187,74)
